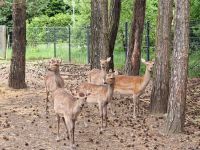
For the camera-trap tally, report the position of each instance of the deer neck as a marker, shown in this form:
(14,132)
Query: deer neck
(147,77)
(77,108)
(110,90)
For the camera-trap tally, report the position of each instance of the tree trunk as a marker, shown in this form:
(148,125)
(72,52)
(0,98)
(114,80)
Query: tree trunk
(132,65)
(114,18)
(177,98)
(160,92)
(104,39)
(95,34)
(17,67)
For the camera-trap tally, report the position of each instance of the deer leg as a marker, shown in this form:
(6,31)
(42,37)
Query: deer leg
(111,109)
(69,123)
(101,114)
(138,104)
(73,129)
(105,114)
(47,100)
(58,134)
(66,127)
(85,122)
(134,106)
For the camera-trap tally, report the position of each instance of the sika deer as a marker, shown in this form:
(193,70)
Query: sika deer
(65,104)
(100,94)
(134,85)
(53,79)
(97,76)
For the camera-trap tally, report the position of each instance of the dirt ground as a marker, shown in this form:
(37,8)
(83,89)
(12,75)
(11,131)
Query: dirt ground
(24,125)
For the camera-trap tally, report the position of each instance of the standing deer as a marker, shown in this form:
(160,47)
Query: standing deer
(100,94)
(97,76)
(134,85)
(53,79)
(69,107)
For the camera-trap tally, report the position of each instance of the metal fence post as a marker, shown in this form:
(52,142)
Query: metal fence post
(54,32)
(88,44)
(147,41)
(69,43)
(126,38)
(47,36)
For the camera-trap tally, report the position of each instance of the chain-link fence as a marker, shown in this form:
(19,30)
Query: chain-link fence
(72,43)
(68,43)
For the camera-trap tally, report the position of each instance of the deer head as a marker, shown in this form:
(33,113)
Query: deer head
(110,78)
(104,63)
(54,65)
(149,64)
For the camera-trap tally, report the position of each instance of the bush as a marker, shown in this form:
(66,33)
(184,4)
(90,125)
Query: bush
(41,29)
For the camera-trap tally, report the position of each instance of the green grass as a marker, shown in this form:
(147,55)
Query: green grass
(79,56)
(194,64)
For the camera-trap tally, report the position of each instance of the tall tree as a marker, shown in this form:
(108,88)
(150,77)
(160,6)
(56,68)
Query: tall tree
(17,67)
(104,39)
(114,17)
(104,27)
(95,34)
(132,65)
(160,92)
(177,98)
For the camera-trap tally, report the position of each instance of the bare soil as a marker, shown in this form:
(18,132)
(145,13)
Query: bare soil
(25,126)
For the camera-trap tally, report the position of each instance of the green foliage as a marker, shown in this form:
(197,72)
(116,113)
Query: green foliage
(35,8)
(41,29)
(151,15)
(194,64)
(194,9)
(6,14)
(194,35)
(55,7)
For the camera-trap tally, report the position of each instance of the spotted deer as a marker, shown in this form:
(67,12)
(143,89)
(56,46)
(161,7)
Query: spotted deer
(134,85)
(97,76)
(53,79)
(100,94)
(68,107)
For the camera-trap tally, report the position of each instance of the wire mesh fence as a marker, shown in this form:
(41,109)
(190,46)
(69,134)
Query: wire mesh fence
(72,43)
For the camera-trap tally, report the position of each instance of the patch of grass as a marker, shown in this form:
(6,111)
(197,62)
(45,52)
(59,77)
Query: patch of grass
(194,64)
(79,56)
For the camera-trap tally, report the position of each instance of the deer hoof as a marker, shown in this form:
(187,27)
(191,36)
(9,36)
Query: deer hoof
(58,139)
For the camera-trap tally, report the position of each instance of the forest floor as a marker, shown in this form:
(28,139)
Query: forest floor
(25,126)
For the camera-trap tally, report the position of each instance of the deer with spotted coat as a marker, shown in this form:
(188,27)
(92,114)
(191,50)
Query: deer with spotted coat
(68,107)
(53,79)
(100,94)
(97,76)
(134,85)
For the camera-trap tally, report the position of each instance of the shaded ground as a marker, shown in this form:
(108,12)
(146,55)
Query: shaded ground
(24,126)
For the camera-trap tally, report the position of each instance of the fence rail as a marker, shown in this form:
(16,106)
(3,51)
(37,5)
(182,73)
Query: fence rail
(72,43)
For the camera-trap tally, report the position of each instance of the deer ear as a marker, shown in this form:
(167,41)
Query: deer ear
(88,94)
(60,61)
(81,94)
(116,72)
(108,59)
(143,61)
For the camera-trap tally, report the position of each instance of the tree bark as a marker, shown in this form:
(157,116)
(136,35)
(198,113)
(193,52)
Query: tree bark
(160,91)
(114,18)
(177,98)
(103,31)
(104,40)
(132,65)
(95,34)
(17,67)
